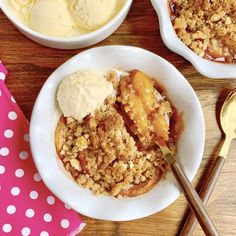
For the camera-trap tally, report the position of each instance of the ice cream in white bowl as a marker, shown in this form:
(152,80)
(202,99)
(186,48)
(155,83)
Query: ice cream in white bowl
(44,120)
(66,24)
(81,93)
(206,67)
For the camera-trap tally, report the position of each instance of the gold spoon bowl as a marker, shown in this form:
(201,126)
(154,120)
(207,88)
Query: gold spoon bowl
(228,121)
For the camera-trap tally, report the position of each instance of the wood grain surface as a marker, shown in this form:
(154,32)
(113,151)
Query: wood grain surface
(30,64)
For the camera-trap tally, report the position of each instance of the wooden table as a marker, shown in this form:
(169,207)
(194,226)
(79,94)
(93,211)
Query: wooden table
(30,64)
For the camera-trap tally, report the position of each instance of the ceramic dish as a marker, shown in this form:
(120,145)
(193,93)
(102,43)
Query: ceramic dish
(207,68)
(46,114)
(69,42)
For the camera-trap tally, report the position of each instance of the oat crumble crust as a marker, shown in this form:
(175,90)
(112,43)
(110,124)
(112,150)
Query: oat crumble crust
(102,155)
(208,27)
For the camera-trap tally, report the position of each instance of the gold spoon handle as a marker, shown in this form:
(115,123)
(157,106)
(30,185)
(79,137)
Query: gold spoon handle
(194,201)
(225,148)
(205,194)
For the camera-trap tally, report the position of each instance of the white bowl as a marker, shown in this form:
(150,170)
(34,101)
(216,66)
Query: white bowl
(206,67)
(46,114)
(80,41)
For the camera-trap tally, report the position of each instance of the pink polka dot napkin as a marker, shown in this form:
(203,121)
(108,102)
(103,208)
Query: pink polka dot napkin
(27,207)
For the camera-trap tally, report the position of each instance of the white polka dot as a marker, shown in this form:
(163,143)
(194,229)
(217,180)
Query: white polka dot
(47,217)
(12,99)
(65,223)
(12,115)
(29,213)
(50,200)
(11,209)
(26,137)
(2,76)
(23,155)
(15,191)
(8,133)
(37,177)
(0,93)
(2,169)
(33,195)
(44,233)
(19,173)
(6,228)
(4,151)
(67,207)
(25,231)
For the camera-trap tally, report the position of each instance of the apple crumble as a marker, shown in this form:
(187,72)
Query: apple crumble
(208,27)
(114,151)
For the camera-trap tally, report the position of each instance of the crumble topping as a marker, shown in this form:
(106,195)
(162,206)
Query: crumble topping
(208,27)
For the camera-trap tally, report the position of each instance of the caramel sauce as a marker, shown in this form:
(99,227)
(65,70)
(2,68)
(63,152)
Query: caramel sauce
(176,125)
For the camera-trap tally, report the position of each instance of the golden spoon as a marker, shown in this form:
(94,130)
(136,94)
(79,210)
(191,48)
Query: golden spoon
(190,194)
(228,124)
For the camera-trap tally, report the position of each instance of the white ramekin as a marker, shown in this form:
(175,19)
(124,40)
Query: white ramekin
(69,42)
(206,67)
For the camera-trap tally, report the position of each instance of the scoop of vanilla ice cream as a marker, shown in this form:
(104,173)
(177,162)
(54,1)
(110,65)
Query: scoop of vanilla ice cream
(51,17)
(22,8)
(81,93)
(92,14)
